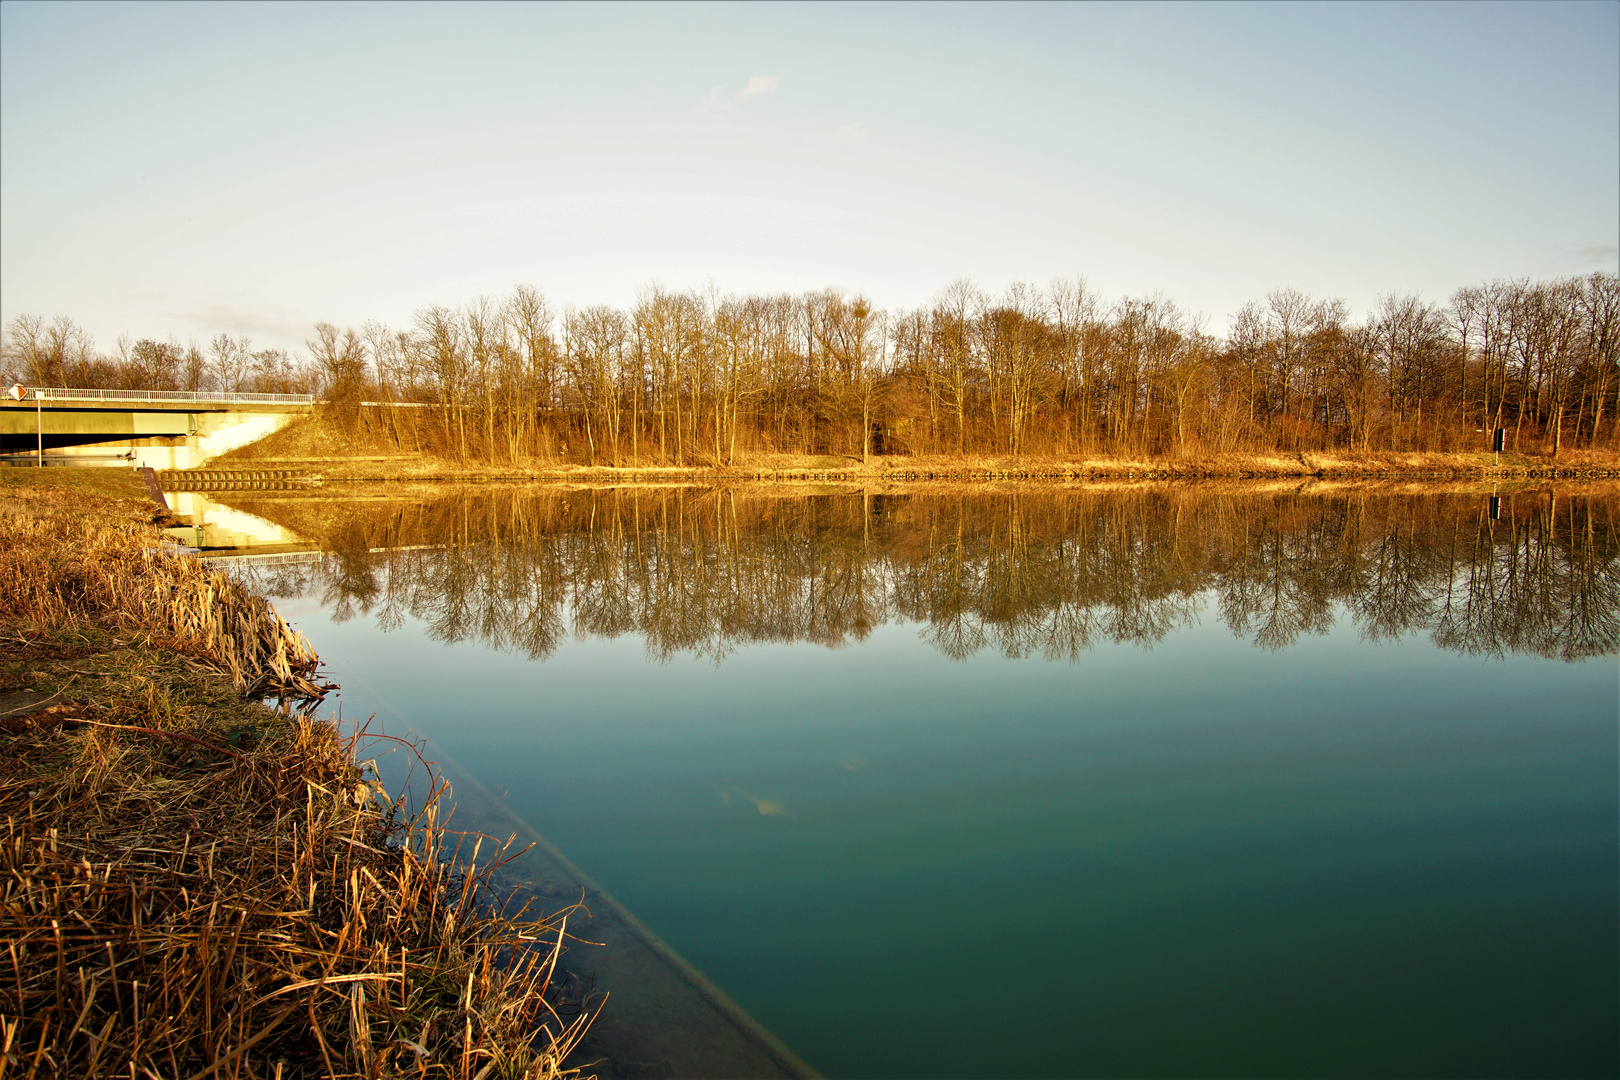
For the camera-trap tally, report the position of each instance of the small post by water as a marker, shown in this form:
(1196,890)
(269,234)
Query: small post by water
(1498,441)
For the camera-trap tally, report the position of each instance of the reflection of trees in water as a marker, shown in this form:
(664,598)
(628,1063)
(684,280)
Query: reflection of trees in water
(1542,582)
(705,572)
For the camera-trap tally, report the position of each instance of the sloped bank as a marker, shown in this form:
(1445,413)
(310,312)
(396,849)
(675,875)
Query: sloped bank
(314,460)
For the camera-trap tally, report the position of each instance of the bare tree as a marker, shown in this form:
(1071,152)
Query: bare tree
(1288,319)
(229,359)
(439,342)
(340,358)
(1601,303)
(534,359)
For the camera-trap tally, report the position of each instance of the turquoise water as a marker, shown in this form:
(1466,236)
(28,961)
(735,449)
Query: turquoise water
(929,824)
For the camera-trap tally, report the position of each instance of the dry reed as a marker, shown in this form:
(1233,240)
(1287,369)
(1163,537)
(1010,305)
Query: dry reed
(194,885)
(61,565)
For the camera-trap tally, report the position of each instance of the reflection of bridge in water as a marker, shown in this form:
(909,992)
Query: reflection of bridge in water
(213,525)
(165,429)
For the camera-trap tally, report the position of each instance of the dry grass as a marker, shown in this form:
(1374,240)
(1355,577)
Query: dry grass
(72,560)
(317,445)
(113,481)
(193,884)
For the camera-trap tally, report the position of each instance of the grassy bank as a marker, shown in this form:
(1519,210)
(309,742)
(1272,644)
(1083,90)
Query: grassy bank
(316,446)
(197,884)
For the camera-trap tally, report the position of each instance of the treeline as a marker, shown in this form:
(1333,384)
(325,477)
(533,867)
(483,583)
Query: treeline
(686,378)
(1024,574)
(62,353)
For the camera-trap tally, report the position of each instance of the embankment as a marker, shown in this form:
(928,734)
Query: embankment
(311,448)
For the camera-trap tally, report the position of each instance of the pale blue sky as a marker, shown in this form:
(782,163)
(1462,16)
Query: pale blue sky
(176,170)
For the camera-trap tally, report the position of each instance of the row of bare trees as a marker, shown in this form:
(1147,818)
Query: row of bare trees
(691,378)
(62,353)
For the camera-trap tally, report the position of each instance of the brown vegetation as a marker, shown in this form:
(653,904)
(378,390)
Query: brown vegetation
(197,885)
(319,447)
(58,569)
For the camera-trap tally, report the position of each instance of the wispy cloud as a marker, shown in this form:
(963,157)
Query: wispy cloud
(261,320)
(850,133)
(719,99)
(1583,260)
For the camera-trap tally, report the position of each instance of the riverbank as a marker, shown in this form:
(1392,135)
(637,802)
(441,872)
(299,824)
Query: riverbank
(200,884)
(310,449)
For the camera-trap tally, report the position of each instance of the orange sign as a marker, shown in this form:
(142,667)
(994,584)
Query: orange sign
(19,391)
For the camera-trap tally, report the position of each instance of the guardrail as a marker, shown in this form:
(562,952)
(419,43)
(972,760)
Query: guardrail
(58,393)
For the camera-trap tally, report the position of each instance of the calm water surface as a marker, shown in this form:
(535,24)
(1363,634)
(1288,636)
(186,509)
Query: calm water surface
(1042,783)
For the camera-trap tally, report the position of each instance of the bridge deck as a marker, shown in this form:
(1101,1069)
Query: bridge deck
(60,395)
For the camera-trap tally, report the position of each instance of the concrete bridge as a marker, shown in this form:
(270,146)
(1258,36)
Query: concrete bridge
(163,429)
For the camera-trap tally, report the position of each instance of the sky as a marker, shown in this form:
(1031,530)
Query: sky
(174,171)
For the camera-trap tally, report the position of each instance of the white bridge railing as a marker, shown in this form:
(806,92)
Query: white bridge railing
(189,397)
